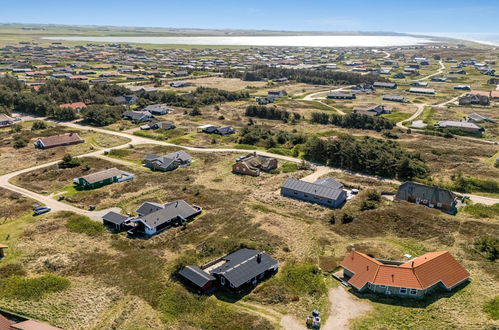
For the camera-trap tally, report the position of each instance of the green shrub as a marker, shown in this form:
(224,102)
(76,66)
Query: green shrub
(492,308)
(25,288)
(38,124)
(289,167)
(20,141)
(481,210)
(488,247)
(69,161)
(303,278)
(82,224)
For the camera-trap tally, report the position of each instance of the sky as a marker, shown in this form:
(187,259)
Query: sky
(476,16)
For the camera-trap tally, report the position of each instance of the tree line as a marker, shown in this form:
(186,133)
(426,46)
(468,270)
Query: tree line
(261,111)
(352,120)
(367,155)
(307,76)
(199,97)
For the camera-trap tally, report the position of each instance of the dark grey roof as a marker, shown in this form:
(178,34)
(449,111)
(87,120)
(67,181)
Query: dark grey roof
(196,275)
(243,265)
(169,212)
(115,218)
(430,193)
(330,182)
(148,207)
(312,188)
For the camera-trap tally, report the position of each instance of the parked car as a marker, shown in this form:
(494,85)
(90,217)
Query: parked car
(41,210)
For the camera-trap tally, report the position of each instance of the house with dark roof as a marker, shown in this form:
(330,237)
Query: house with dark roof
(126,99)
(137,116)
(254,164)
(372,111)
(412,279)
(166,125)
(235,272)
(167,162)
(326,192)
(114,221)
(102,178)
(430,196)
(381,84)
(394,98)
(461,125)
(157,109)
(341,96)
(154,218)
(58,140)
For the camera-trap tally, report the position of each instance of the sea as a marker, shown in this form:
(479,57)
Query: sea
(491,39)
(282,41)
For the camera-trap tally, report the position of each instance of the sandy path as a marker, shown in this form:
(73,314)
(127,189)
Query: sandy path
(344,307)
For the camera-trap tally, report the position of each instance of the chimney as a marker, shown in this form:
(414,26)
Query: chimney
(259,257)
(412,265)
(393,276)
(176,203)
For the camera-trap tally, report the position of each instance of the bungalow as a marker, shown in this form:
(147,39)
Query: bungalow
(412,279)
(226,130)
(179,84)
(277,94)
(363,88)
(153,218)
(235,272)
(341,96)
(102,178)
(126,99)
(2,248)
(419,84)
(5,120)
(422,90)
(431,196)
(390,85)
(264,100)
(372,111)
(394,98)
(168,162)
(166,125)
(180,73)
(77,106)
(136,116)
(399,75)
(463,87)
(460,125)
(58,140)
(326,192)
(253,164)
(157,109)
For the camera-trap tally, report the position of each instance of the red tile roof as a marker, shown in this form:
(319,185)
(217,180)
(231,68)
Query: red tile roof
(420,273)
(74,106)
(5,323)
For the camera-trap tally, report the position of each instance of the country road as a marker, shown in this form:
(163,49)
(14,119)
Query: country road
(440,71)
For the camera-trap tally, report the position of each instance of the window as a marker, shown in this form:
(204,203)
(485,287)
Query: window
(305,195)
(403,290)
(295,192)
(414,291)
(382,286)
(222,280)
(329,201)
(439,204)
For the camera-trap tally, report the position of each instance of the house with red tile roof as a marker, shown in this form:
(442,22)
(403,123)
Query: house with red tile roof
(75,106)
(414,278)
